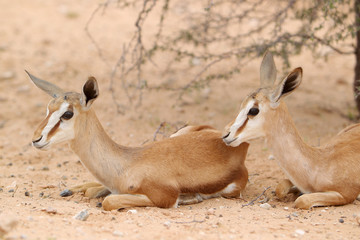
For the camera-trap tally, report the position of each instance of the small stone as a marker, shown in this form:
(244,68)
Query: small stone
(210,211)
(265,206)
(50,210)
(82,215)
(58,165)
(41,194)
(12,185)
(118,233)
(99,205)
(30,168)
(64,177)
(45,168)
(7,75)
(300,232)
(167,224)
(132,211)
(286,208)
(11,190)
(295,214)
(9,164)
(66,193)
(341,220)
(27,194)
(1,190)
(271,157)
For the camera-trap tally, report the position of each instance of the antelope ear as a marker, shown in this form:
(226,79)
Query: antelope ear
(267,71)
(287,86)
(47,87)
(90,92)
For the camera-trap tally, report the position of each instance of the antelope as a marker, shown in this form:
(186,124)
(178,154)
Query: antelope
(327,175)
(192,165)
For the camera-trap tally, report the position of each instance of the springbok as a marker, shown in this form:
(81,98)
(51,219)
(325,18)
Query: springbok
(194,164)
(327,175)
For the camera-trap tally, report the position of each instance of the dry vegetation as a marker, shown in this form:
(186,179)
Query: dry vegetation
(48,39)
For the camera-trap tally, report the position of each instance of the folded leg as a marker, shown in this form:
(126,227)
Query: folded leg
(91,190)
(318,199)
(118,201)
(284,188)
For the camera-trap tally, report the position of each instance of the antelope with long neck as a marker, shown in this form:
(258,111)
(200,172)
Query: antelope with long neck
(194,164)
(327,175)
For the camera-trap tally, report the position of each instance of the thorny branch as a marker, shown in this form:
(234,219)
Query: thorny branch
(215,40)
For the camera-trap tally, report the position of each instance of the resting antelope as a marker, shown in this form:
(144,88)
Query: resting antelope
(194,164)
(327,175)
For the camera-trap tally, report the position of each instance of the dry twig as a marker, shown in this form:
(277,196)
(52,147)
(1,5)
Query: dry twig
(252,201)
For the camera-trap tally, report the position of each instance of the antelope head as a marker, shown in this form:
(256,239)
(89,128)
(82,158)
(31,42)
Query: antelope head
(257,107)
(62,112)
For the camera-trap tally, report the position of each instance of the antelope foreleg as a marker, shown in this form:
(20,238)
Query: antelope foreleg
(318,199)
(91,190)
(284,188)
(126,200)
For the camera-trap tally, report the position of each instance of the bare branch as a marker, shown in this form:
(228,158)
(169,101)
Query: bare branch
(255,199)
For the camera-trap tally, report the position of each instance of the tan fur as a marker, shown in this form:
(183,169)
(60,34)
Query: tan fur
(195,162)
(327,175)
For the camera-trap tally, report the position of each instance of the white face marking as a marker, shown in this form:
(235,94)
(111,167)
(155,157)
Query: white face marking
(66,128)
(242,116)
(252,130)
(54,118)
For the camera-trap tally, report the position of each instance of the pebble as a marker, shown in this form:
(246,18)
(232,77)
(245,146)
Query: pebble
(82,215)
(210,211)
(300,232)
(132,211)
(41,194)
(45,168)
(118,233)
(66,193)
(27,194)
(7,75)
(30,168)
(167,224)
(271,157)
(341,220)
(265,206)
(295,214)
(286,208)
(49,210)
(99,205)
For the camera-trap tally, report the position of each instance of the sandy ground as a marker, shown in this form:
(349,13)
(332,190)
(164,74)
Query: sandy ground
(48,39)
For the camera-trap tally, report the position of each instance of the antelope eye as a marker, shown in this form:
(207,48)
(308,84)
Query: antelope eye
(253,111)
(67,115)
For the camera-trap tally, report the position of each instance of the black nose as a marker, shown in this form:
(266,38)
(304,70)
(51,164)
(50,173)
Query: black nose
(37,140)
(225,136)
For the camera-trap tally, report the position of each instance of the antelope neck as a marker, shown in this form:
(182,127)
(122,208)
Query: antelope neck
(295,157)
(105,159)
